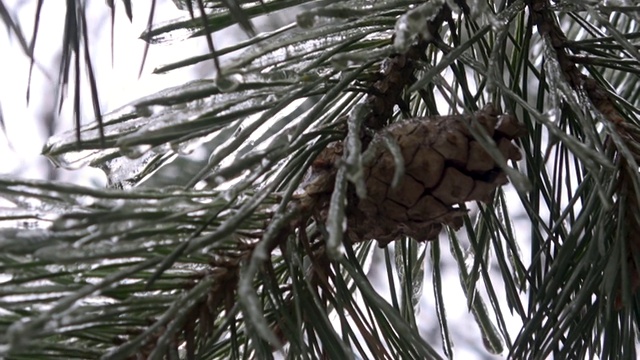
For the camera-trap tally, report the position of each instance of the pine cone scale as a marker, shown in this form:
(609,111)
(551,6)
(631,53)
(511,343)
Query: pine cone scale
(426,166)
(454,188)
(407,193)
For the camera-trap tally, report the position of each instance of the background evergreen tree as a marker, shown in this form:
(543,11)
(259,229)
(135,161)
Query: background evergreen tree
(261,249)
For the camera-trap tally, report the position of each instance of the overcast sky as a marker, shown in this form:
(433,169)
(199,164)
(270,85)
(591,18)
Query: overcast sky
(118,83)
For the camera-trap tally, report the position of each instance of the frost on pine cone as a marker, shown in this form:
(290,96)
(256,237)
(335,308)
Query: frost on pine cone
(443,166)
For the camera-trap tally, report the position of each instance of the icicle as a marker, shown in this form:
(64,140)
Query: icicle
(228,83)
(336,221)
(414,23)
(355,173)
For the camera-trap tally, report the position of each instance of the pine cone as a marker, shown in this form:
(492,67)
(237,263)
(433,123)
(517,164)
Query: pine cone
(444,166)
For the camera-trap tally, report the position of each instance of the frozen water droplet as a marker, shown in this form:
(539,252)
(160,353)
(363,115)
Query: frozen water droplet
(200,185)
(136,151)
(175,147)
(306,20)
(414,23)
(144,111)
(5,277)
(497,24)
(340,62)
(219,180)
(454,6)
(228,83)
(189,146)
(336,252)
(227,195)
(86,200)
(64,150)
(551,115)
(123,173)
(181,4)
(271,98)
(66,223)
(72,160)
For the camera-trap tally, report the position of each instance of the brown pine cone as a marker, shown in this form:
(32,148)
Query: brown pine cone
(444,166)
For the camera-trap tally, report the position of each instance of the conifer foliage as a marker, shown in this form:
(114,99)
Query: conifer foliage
(363,129)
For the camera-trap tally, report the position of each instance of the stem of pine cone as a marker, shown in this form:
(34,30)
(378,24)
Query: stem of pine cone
(397,74)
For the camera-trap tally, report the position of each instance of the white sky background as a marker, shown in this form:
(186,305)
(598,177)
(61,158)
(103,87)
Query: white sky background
(118,85)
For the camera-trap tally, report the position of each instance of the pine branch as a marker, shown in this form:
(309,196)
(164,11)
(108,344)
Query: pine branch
(550,30)
(620,144)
